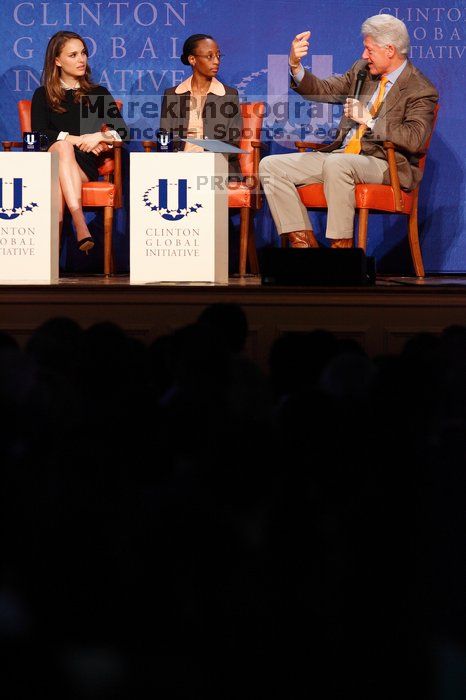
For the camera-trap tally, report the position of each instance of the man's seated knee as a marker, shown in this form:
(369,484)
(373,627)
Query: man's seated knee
(336,162)
(264,164)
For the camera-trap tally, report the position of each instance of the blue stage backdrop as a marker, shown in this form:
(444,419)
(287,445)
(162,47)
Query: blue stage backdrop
(135,49)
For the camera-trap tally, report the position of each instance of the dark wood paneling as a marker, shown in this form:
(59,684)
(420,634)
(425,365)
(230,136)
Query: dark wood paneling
(381,318)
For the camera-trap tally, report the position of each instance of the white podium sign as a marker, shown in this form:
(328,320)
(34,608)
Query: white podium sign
(28,218)
(179,217)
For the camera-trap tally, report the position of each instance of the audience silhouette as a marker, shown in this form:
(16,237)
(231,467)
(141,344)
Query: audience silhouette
(176,521)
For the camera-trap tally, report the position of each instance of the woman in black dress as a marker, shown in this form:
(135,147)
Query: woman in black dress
(76,124)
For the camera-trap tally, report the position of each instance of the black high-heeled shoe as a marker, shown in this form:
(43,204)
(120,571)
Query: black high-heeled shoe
(85,244)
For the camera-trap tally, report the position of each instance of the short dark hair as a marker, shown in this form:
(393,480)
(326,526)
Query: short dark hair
(190,45)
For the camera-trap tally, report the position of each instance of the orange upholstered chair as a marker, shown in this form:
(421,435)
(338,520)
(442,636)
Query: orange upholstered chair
(389,199)
(104,193)
(245,195)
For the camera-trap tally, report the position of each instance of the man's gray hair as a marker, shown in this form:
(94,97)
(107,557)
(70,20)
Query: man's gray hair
(385,30)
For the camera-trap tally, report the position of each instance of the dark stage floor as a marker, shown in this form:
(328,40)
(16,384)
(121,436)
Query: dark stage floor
(255,281)
(380,317)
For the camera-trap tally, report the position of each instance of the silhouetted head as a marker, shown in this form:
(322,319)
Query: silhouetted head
(228,322)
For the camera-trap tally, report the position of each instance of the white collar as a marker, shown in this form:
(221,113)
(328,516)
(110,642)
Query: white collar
(395,74)
(67,87)
(216,87)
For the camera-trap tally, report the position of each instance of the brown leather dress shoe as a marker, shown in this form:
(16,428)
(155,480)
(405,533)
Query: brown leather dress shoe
(302,239)
(341,243)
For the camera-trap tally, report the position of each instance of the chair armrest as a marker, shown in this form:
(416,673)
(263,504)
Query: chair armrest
(8,145)
(252,181)
(260,145)
(302,145)
(394,177)
(148,146)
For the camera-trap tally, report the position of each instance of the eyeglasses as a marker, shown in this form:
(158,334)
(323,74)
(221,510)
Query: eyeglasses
(210,56)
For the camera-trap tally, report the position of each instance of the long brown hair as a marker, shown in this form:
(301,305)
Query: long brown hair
(54,92)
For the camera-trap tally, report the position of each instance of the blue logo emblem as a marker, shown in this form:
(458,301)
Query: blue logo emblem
(170,214)
(17,209)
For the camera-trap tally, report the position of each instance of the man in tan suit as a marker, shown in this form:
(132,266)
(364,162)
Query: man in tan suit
(396,104)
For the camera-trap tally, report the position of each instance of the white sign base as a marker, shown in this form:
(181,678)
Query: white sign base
(29,218)
(179,217)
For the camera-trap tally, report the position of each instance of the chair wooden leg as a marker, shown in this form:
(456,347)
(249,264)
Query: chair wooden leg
(108,225)
(252,252)
(283,240)
(362,228)
(413,238)
(243,239)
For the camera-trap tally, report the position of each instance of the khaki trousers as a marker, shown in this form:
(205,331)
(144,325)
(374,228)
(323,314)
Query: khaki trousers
(338,171)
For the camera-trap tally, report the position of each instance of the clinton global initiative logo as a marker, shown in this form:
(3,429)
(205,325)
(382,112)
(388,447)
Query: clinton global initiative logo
(173,193)
(11,192)
(288,116)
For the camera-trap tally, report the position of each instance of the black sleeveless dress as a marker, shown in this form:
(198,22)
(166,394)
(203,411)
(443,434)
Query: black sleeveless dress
(77,121)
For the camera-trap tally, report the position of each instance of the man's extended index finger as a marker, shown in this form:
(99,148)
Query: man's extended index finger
(303,35)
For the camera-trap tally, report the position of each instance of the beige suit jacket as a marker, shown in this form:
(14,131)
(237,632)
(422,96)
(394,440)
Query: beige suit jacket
(405,117)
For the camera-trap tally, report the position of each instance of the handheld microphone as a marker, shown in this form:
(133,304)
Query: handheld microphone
(360,78)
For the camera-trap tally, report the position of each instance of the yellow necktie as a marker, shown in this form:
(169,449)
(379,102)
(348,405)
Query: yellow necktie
(354,144)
